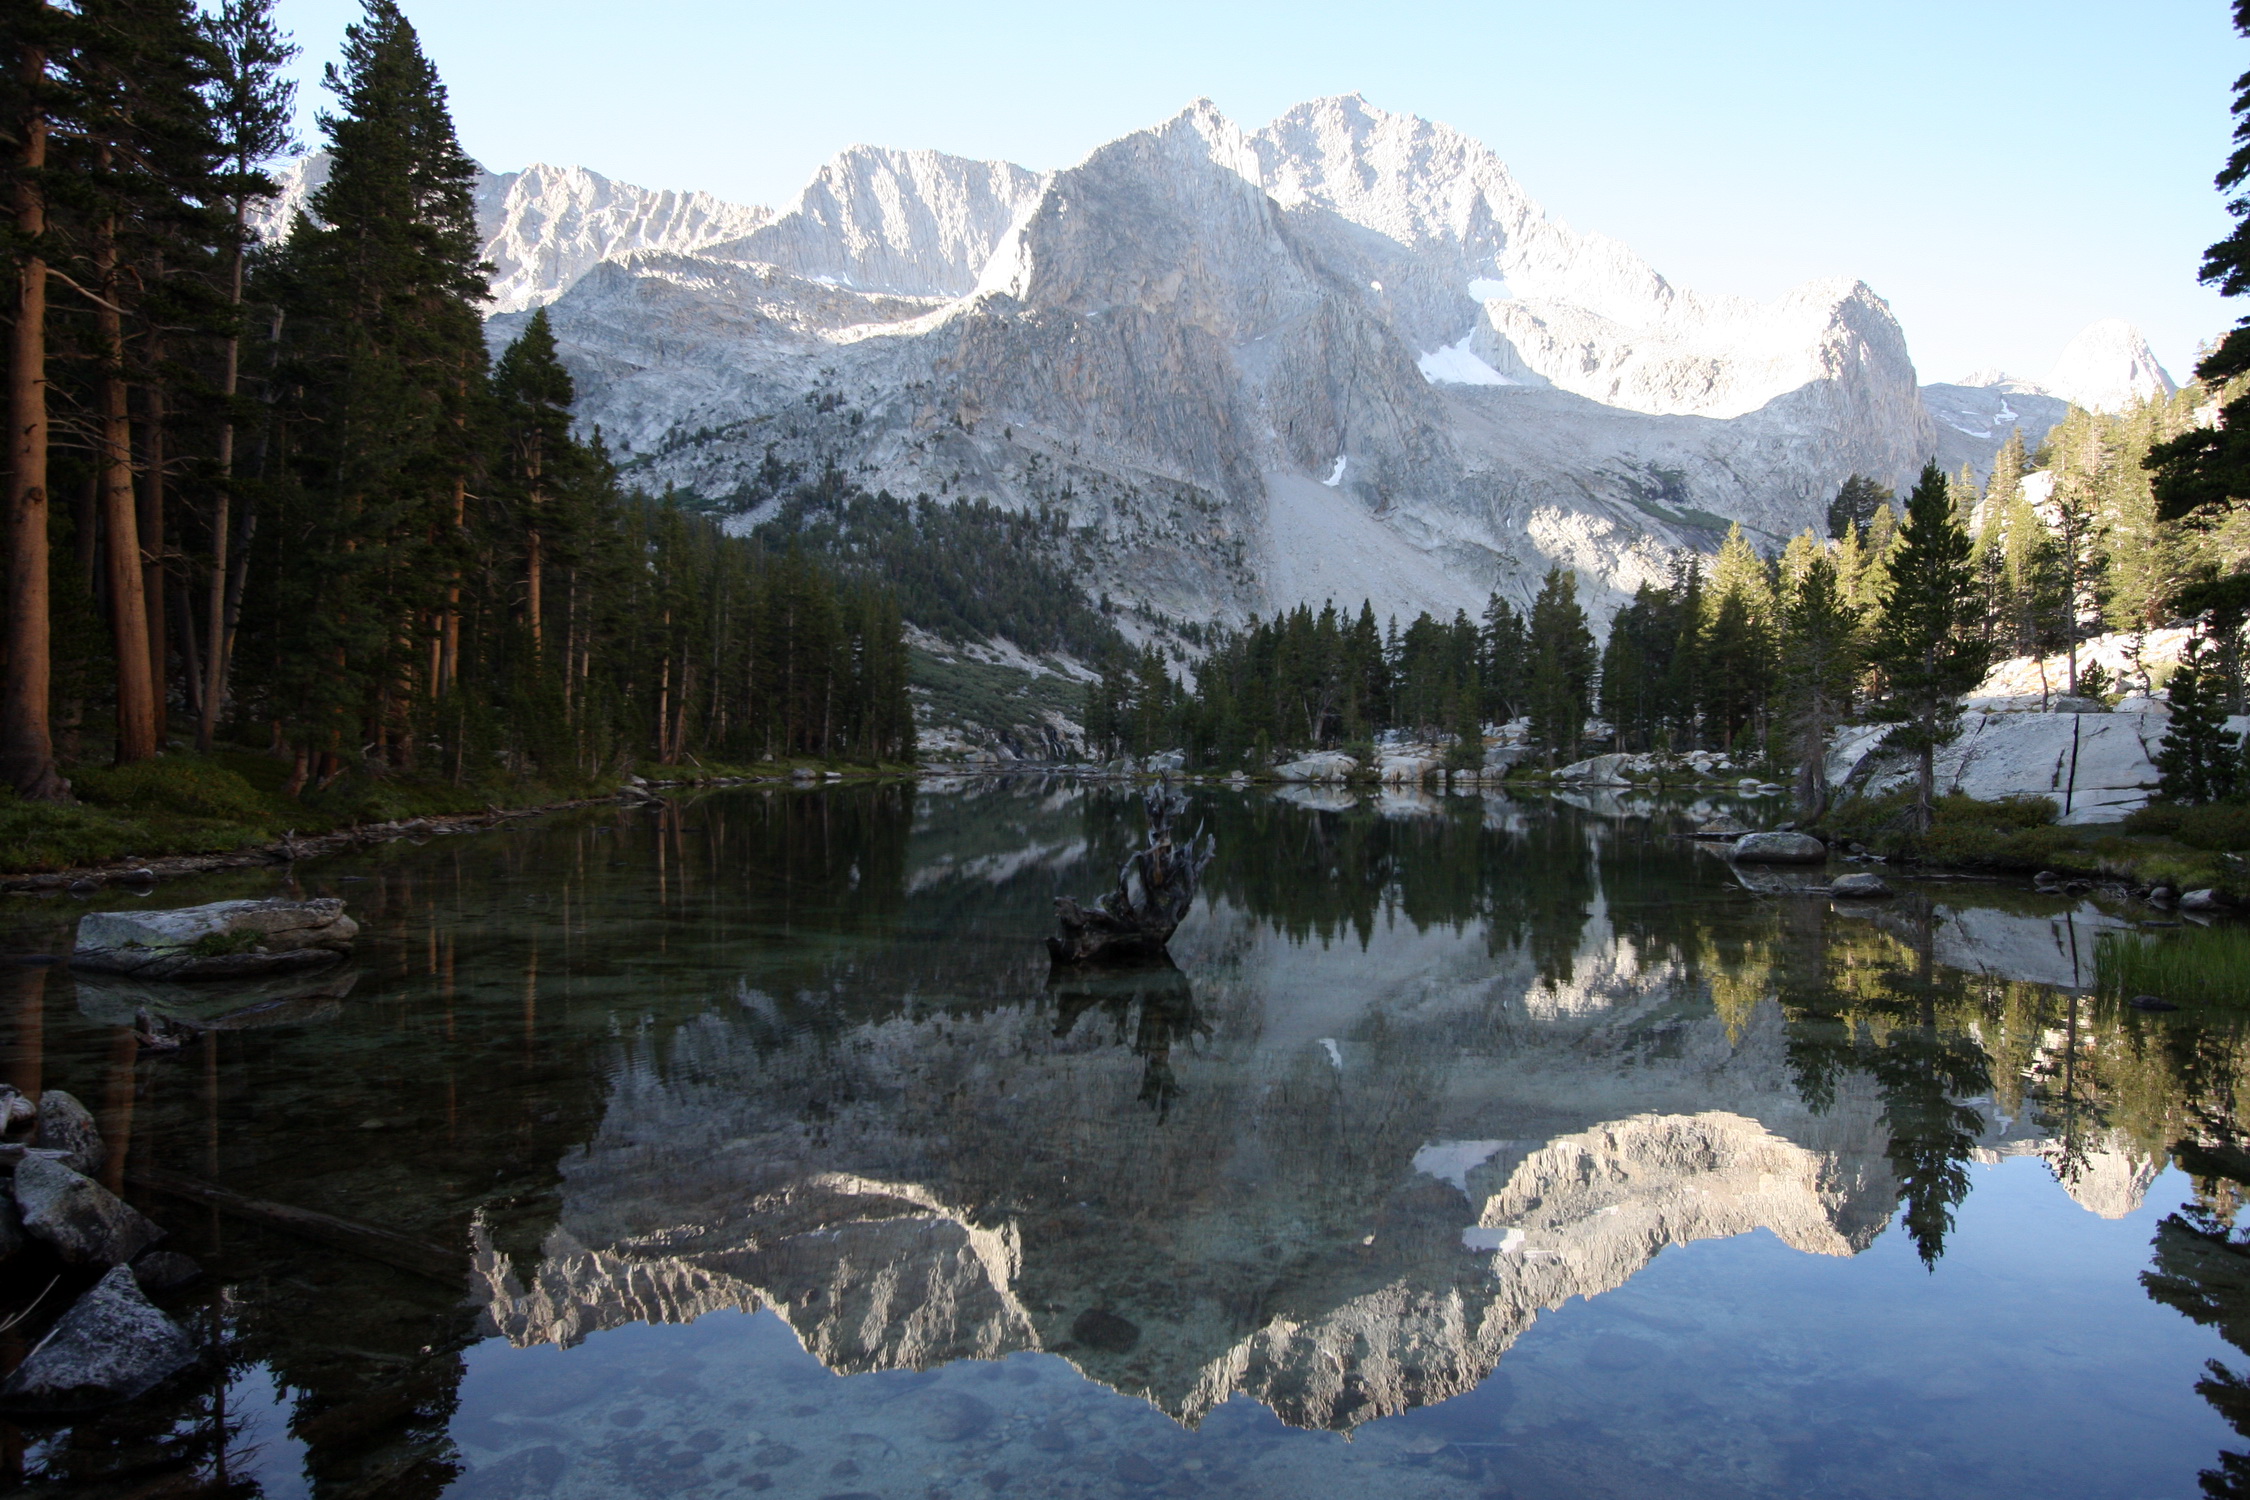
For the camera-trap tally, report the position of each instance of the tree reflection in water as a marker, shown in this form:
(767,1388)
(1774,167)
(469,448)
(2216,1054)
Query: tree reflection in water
(799,926)
(1150,1007)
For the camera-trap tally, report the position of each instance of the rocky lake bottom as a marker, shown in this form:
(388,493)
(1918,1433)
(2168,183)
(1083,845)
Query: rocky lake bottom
(1469,1146)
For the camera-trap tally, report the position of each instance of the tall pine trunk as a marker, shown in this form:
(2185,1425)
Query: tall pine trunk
(128,605)
(27,752)
(152,530)
(230,385)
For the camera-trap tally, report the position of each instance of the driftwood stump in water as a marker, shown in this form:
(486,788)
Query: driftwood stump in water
(1154,891)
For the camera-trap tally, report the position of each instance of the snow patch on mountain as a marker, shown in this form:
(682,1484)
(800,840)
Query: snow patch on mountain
(1454,364)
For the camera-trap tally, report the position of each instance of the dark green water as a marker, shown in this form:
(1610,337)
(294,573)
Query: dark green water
(1474,1147)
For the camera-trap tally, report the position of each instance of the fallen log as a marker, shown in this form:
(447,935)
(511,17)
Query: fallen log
(402,1251)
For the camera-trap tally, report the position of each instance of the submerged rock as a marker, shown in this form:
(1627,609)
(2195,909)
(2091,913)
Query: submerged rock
(67,1126)
(1780,849)
(111,1346)
(222,940)
(84,1221)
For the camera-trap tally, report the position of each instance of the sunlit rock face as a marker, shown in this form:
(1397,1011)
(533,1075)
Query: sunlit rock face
(1343,356)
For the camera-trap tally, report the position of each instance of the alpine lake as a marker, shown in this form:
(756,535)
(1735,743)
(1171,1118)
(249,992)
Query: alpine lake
(1472,1145)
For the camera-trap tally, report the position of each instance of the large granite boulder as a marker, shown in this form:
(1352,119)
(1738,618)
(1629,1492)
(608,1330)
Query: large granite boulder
(67,1126)
(84,1221)
(222,940)
(113,1345)
(1779,849)
(1604,770)
(1864,886)
(1326,765)
(1406,768)
(2097,767)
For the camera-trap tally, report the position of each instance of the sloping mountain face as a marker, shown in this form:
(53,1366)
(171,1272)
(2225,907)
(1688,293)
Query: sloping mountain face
(1975,416)
(1343,356)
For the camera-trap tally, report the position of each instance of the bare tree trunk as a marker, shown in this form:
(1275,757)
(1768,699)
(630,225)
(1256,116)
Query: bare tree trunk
(1925,787)
(153,558)
(27,751)
(230,385)
(535,564)
(128,605)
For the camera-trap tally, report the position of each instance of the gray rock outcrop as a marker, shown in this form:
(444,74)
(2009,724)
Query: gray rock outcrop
(2096,768)
(222,940)
(1325,765)
(85,1222)
(1779,849)
(112,1345)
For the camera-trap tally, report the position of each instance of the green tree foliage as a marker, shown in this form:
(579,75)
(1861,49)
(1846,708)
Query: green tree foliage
(1562,667)
(1820,666)
(1925,646)
(402,560)
(2200,759)
(1856,504)
(967,571)
(2208,468)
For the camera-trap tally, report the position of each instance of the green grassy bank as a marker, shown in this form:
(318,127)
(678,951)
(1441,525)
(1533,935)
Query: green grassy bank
(2187,848)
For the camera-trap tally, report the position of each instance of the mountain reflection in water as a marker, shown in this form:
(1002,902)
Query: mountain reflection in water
(1517,1139)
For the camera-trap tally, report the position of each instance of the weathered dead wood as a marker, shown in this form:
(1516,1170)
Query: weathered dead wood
(1155,890)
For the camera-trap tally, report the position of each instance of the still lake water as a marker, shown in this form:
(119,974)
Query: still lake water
(1474,1147)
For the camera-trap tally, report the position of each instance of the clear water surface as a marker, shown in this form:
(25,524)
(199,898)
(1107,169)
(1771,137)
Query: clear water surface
(1472,1147)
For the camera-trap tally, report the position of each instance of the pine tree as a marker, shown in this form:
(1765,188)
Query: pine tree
(2209,466)
(27,752)
(383,291)
(1820,664)
(533,394)
(2081,458)
(146,161)
(2199,759)
(1563,663)
(1855,505)
(1925,644)
(252,104)
(2008,467)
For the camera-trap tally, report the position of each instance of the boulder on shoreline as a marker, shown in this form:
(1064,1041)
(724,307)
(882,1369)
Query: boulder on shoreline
(1325,765)
(67,1126)
(113,1345)
(85,1222)
(1779,849)
(224,940)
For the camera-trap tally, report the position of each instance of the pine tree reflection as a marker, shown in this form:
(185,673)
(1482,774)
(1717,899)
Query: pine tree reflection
(2202,1270)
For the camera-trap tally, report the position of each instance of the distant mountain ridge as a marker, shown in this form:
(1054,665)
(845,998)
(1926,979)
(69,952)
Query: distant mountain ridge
(1342,356)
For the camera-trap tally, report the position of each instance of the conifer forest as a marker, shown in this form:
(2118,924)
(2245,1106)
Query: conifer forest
(279,494)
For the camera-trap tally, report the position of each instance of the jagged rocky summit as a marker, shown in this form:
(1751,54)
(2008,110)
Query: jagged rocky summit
(1342,356)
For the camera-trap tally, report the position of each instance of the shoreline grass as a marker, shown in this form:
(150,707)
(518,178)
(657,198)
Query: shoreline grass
(2193,966)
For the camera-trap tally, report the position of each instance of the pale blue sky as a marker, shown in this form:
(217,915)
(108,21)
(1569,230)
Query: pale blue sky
(2004,171)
